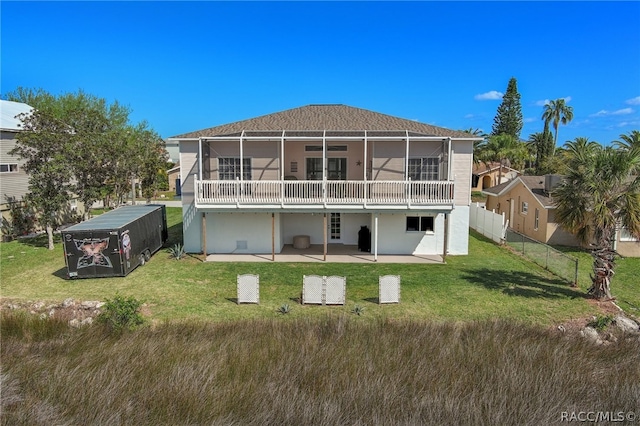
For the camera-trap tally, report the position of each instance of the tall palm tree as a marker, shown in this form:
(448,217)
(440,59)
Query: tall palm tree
(597,196)
(557,112)
(630,141)
(504,149)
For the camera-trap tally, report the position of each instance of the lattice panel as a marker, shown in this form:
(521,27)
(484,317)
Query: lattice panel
(312,286)
(248,288)
(335,290)
(389,289)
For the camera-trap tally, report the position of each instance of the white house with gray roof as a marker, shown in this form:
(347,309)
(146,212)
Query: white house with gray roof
(324,172)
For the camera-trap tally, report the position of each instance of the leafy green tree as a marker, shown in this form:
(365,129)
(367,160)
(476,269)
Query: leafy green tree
(597,196)
(43,145)
(630,141)
(508,119)
(504,149)
(77,143)
(557,112)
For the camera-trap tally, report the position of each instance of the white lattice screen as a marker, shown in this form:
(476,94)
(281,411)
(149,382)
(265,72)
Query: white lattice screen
(323,290)
(248,288)
(389,289)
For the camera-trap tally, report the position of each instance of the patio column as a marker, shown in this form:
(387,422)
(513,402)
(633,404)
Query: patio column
(241,157)
(375,237)
(282,156)
(273,237)
(449,160)
(324,221)
(364,169)
(204,234)
(446,238)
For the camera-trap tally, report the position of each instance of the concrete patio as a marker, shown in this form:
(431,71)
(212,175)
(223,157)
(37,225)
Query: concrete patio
(336,253)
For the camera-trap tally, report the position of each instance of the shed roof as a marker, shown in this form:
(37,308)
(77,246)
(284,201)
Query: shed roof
(337,120)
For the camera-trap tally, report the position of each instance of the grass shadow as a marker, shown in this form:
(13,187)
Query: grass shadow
(232,300)
(40,241)
(375,300)
(61,273)
(522,284)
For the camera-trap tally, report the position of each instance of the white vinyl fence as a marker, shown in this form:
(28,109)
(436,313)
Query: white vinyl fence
(491,225)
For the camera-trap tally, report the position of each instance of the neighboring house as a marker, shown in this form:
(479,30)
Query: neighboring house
(14,181)
(487,175)
(326,171)
(173,175)
(530,210)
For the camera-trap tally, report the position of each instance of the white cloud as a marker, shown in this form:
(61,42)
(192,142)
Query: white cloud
(604,112)
(492,95)
(629,123)
(469,116)
(544,102)
(633,101)
(530,120)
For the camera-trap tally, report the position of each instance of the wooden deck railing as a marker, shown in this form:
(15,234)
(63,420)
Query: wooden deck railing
(330,192)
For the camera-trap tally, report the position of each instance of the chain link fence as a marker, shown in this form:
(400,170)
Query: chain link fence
(558,263)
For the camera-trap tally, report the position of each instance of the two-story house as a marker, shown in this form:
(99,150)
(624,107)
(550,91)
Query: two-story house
(325,172)
(14,181)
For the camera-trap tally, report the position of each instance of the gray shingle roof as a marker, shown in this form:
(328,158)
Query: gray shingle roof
(340,119)
(534,183)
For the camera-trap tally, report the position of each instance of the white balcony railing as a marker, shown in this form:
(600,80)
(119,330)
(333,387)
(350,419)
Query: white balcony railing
(314,192)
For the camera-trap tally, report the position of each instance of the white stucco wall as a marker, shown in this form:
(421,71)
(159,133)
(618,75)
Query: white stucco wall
(312,225)
(459,231)
(393,237)
(191,222)
(225,231)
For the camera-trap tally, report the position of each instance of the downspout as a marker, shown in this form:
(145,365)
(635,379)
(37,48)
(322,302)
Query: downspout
(406,159)
(324,170)
(199,158)
(364,169)
(282,185)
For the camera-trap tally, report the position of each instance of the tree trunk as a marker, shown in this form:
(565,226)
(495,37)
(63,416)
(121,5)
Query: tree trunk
(603,264)
(50,236)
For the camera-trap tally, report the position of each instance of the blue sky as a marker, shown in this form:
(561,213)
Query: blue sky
(188,66)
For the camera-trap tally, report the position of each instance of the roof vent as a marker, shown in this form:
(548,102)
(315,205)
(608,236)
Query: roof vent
(550,182)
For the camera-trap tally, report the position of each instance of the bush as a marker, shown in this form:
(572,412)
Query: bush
(23,219)
(177,252)
(121,313)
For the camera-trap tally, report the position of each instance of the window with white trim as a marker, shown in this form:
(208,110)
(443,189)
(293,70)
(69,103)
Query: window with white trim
(625,235)
(420,224)
(425,168)
(229,168)
(536,220)
(8,168)
(525,207)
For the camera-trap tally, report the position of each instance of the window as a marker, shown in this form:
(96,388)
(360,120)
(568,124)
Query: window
(420,223)
(229,168)
(625,235)
(536,220)
(525,207)
(8,168)
(335,226)
(426,168)
(330,148)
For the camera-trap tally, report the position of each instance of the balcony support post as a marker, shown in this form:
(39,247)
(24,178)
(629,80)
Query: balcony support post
(324,251)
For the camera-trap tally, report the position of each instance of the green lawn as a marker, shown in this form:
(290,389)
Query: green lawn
(488,283)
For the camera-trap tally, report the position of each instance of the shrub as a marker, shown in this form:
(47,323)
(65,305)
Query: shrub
(284,309)
(121,313)
(601,322)
(177,251)
(358,310)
